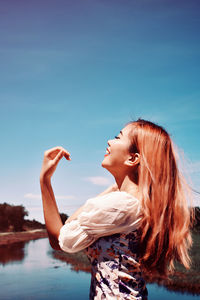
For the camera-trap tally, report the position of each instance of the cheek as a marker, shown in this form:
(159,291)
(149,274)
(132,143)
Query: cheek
(114,159)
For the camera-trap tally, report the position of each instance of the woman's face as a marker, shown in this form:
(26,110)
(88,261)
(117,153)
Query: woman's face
(117,152)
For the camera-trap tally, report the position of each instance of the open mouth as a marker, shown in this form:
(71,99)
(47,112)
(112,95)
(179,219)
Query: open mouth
(107,152)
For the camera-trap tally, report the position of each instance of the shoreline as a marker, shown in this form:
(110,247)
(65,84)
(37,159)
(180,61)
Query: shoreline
(22,236)
(182,281)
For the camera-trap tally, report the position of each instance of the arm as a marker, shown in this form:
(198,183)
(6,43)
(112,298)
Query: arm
(110,189)
(106,215)
(51,214)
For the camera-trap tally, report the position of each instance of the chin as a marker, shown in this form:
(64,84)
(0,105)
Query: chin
(104,164)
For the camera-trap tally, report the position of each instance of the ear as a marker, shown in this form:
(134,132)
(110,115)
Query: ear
(133,160)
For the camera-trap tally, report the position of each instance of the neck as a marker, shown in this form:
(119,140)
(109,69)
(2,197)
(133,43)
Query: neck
(126,184)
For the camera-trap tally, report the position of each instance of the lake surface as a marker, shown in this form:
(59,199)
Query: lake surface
(31,271)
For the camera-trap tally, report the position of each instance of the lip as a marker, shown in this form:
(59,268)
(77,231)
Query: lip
(107,153)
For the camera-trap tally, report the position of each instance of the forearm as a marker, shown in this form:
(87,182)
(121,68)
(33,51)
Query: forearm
(51,214)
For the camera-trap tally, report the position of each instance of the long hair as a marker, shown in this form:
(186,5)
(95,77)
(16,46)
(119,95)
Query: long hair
(165,225)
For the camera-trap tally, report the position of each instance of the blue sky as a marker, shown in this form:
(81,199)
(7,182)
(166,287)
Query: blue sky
(73,73)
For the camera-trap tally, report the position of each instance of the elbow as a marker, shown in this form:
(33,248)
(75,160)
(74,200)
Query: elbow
(54,245)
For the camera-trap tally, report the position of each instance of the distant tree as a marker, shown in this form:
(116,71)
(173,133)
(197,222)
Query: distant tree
(4,221)
(12,217)
(196,225)
(18,217)
(64,217)
(32,224)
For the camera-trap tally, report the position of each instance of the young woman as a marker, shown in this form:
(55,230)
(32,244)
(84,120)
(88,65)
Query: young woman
(142,222)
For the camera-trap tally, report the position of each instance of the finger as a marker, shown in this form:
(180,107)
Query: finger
(52,153)
(67,155)
(59,156)
(53,149)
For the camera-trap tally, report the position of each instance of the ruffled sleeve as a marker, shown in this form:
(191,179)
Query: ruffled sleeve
(105,215)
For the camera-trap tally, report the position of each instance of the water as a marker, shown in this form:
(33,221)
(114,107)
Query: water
(30,271)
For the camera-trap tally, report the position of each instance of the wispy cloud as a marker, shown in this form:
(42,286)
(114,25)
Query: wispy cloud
(32,196)
(60,197)
(98,180)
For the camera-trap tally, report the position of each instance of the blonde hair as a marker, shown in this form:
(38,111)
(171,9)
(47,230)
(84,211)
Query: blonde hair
(165,226)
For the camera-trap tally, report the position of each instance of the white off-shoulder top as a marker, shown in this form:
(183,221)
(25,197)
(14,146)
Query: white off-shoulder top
(116,212)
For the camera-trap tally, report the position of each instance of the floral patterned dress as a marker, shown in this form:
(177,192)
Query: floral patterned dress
(107,229)
(116,272)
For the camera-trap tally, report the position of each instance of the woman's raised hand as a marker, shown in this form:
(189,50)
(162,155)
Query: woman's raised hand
(51,160)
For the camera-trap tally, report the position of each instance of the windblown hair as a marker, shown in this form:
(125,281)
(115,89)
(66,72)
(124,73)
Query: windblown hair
(166,217)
